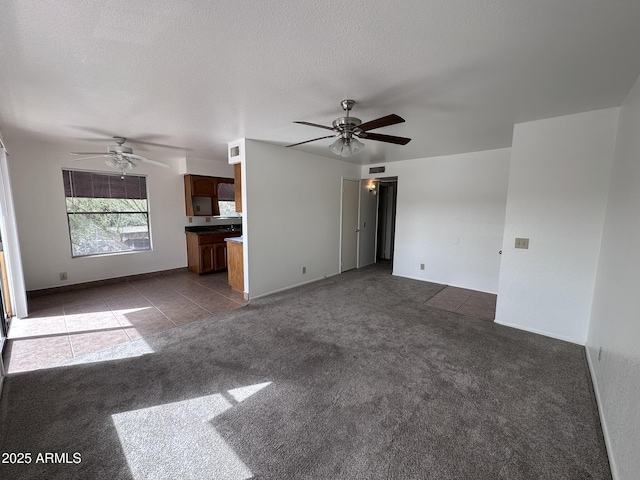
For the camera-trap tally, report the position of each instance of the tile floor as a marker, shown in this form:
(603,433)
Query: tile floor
(61,326)
(467,302)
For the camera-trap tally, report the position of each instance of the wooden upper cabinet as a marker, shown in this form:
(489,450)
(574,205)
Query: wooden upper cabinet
(201,195)
(237,175)
(202,186)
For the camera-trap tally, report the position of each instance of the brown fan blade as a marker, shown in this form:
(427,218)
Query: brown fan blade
(307,141)
(314,125)
(385,138)
(381,122)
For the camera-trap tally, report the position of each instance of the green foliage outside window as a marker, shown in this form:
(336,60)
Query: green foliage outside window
(107,225)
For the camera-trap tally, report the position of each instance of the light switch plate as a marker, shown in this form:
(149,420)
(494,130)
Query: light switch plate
(522,243)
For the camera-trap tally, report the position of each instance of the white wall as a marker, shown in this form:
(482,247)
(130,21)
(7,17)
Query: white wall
(558,183)
(615,321)
(291,216)
(198,166)
(36,176)
(450,216)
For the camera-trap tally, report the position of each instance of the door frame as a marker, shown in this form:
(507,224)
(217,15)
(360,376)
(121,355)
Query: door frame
(10,243)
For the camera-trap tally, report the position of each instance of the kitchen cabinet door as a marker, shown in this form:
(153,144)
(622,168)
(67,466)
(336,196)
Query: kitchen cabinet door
(219,256)
(203,186)
(207,258)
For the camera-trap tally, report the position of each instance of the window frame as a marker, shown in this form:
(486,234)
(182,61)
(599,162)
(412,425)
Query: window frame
(69,214)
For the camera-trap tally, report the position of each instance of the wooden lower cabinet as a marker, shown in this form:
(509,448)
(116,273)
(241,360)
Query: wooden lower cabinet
(213,257)
(206,253)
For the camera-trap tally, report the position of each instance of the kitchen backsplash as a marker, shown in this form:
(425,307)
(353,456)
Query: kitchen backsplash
(197,221)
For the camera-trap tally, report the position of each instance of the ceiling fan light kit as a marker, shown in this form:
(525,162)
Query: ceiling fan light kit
(346,147)
(347,128)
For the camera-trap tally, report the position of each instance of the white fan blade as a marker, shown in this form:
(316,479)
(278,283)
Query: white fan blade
(86,153)
(143,159)
(87,158)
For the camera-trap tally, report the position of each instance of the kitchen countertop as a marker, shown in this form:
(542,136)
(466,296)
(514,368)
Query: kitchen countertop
(234,239)
(204,230)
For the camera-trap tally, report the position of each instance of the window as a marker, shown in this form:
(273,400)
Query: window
(107,213)
(226,199)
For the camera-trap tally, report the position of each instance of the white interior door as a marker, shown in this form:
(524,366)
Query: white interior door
(350,197)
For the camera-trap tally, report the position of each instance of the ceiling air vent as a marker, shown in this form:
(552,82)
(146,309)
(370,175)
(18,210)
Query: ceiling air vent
(376,170)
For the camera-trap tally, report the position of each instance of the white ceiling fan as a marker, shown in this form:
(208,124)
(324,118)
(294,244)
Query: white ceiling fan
(119,156)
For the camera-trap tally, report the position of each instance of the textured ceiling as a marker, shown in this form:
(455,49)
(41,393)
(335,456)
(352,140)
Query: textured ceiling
(194,75)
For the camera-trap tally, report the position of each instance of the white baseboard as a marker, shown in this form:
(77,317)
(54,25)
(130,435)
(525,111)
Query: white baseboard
(284,289)
(443,284)
(541,332)
(603,423)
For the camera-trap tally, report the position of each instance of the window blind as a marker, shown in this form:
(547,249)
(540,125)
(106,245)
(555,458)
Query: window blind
(103,185)
(226,192)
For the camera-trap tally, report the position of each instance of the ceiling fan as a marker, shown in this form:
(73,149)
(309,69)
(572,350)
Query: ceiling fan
(347,128)
(119,156)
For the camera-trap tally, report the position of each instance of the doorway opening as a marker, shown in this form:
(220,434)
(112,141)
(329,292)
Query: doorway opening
(386,231)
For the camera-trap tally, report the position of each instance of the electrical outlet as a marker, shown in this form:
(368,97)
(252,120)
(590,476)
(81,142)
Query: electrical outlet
(207,219)
(190,219)
(600,354)
(522,243)
(422,266)
(197,208)
(63,275)
(304,269)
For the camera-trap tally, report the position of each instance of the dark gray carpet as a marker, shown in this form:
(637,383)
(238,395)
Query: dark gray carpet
(352,377)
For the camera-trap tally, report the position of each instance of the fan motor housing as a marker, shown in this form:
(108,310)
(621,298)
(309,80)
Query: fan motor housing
(346,123)
(119,149)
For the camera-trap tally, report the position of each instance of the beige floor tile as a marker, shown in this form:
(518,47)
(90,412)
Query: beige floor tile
(186,314)
(31,327)
(218,304)
(98,317)
(117,290)
(444,303)
(91,321)
(481,313)
(81,296)
(127,318)
(92,306)
(45,302)
(32,354)
(82,343)
(163,294)
(141,328)
(482,301)
(454,293)
(49,312)
(126,302)
(237,297)
(194,290)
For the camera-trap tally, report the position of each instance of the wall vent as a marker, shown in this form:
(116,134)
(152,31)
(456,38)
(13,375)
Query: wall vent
(376,170)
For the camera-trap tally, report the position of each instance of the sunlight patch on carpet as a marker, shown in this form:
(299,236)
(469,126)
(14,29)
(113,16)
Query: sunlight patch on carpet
(242,393)
(177,440)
